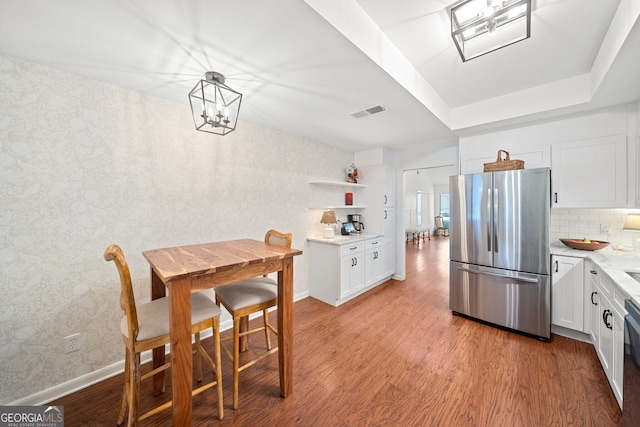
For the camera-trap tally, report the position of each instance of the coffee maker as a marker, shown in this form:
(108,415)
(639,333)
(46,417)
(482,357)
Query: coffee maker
(356,220)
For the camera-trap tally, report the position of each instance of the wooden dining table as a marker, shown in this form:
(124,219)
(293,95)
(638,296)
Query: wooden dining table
(186,269)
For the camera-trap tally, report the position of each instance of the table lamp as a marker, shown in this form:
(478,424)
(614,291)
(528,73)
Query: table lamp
(329,218)
(632,223)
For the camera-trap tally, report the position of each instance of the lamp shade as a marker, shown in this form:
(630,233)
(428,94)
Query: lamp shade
(328,217)
(632,222)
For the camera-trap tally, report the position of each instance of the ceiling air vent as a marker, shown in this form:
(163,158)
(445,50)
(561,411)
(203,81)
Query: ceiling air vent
(374,109)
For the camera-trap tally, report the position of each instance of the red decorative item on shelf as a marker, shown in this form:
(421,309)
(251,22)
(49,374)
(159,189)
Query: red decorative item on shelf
(348,199)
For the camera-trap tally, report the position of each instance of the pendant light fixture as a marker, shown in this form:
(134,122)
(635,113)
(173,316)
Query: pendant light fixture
(214,105)
(482,26)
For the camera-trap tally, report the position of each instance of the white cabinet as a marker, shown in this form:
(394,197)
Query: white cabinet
(379,196)
(389,259)
(374,261)
(593,279)
(380,217)
(607,328)
(388,223)
(352,265)
(340,272)
(389,196)
(590,173)
(567,292)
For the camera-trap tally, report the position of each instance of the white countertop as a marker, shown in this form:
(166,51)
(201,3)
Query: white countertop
(344,240)
(612,262)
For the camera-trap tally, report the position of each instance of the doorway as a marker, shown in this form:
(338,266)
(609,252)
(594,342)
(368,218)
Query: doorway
(426,195)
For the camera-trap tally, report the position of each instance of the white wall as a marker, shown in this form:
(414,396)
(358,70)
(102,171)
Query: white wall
(85,164)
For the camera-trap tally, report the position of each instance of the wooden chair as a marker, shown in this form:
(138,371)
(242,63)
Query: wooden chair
(247,297)
(440,229)
(146,326)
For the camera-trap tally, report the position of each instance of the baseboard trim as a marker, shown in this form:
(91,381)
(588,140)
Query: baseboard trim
(56,392)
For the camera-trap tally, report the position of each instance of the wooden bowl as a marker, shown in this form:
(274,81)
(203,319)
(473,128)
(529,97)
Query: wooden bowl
(594,245)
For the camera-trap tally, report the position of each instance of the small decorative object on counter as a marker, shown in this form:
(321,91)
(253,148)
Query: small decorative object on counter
(328,218)
(503,163)
(348,199)
(585,244)
(352,174)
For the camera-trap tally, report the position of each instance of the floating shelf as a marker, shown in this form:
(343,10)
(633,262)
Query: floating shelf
(338,207)
(338,184)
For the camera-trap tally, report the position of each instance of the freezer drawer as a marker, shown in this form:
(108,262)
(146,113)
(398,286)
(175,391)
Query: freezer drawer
(520,301)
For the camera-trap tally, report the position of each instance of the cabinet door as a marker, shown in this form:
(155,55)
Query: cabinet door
(594,309)
(374,268)
(618,355)
(605,347)
(389,187)
(389,223)
(567,292)
(389,258)
(590,173)
(351,274)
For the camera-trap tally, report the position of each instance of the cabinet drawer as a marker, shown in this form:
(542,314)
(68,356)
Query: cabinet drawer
(373,243)
(352,248)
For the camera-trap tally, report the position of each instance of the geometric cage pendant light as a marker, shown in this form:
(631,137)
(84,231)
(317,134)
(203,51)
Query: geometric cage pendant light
(214,105)
(482,26)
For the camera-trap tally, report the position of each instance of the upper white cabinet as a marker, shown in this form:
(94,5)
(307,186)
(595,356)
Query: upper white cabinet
(389,187)
(590,173)
(380,199)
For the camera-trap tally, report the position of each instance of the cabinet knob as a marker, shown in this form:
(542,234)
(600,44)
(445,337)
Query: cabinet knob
(592,295)
(593,272)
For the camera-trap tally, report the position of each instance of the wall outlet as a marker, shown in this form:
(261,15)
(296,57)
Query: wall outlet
(605,228)
(72,343)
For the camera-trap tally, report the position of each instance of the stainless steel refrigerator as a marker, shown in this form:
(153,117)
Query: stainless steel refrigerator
(499,249)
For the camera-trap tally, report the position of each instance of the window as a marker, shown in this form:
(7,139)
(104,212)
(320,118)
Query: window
(444,208)
(419,209)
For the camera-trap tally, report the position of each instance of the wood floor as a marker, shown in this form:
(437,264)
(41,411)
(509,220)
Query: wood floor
(397,357)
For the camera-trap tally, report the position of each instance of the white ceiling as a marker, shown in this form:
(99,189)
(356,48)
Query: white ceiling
(303,65)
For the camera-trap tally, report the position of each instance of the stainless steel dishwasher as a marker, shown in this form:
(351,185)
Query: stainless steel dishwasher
(631,379)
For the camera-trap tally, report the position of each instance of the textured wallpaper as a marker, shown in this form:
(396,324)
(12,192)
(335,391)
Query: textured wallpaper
(84,164)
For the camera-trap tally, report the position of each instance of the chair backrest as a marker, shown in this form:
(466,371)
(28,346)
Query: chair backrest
(127,299)
(274,237)
(439,222)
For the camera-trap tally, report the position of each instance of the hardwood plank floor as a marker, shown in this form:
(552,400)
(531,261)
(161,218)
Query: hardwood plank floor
(396,356)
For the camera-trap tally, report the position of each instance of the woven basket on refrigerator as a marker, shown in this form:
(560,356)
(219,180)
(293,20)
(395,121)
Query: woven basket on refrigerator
(503,164)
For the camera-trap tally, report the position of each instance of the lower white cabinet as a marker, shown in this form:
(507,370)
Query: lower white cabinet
(567,292)
(340,272)
(594,301)
(607,328)
(389,258)
(374,265)
(351,269)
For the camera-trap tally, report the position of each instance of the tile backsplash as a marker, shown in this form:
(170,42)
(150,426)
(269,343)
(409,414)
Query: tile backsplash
(595,224)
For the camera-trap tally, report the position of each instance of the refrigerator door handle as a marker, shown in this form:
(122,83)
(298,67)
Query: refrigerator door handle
(488,216)
(488,273)
(496,209)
